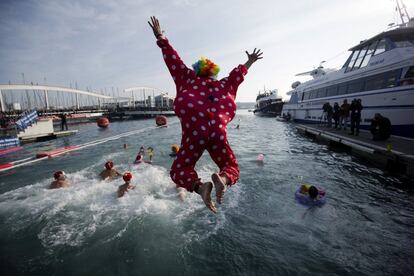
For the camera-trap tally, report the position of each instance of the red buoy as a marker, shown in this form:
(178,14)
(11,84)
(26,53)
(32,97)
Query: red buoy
(161,120)
(103,122)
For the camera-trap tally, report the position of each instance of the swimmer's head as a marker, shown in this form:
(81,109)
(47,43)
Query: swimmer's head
(139,157)
(313,192)
(109,165)
(175,148)
(59,175)
(127,176)
(206,68)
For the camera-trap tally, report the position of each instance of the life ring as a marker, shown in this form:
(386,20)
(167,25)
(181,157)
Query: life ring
(304,199)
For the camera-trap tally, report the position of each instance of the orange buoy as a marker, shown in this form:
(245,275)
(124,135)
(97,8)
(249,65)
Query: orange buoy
(103,122)
(161,120)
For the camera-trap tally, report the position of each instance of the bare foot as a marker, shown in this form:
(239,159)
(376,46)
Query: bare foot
(205,192)
(181,193)
(219,185)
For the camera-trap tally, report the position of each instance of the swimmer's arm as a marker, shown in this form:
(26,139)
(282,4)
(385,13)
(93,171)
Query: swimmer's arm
(118,173)
(121,191)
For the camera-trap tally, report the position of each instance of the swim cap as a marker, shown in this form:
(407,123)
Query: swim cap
(59,175)
(127,176)
(109,165)
(206,68)
(175,148)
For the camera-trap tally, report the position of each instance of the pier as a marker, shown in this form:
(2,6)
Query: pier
(394,155)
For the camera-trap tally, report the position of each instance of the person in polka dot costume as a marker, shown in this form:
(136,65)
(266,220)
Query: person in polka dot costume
(204,106)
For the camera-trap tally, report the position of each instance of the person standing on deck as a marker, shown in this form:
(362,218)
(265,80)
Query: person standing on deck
(336,114)
(344,114)
(204,106)
(63,122)
(356,108)
(329,113)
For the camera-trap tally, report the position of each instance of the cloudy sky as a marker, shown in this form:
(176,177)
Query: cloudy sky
(108,43)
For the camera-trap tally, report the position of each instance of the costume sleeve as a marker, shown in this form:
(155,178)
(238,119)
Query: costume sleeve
(174,63)
(236,77)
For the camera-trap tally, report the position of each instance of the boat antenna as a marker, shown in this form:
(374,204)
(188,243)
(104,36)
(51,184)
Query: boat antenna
(402,11)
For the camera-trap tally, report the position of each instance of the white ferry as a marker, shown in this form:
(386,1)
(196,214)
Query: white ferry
(379,71)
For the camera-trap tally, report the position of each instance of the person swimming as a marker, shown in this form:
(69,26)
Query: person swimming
(60,181)
(109,172)
(174,150)
(150,152)
(142,151)
(309,190)
(139,159)
(122,189)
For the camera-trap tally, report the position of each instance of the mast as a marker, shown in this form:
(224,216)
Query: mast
(402,12)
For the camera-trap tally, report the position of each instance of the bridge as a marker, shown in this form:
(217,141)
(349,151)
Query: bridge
(45,97)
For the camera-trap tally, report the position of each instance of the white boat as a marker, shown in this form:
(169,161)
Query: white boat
(268,104)
(379,71)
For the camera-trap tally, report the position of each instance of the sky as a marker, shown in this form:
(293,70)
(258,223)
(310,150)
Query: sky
(108,43)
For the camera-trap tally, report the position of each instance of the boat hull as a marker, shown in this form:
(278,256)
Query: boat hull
(271,110)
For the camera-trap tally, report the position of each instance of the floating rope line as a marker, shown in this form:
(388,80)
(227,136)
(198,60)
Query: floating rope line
(31,160)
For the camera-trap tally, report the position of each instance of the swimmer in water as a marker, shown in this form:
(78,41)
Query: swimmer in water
(312,191)
(138,159)
(127,186)
(150,152)
(174,149)
(60,181)
(142,151)
(109,172)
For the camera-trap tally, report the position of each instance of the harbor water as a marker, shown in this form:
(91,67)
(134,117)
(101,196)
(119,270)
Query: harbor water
(366,226)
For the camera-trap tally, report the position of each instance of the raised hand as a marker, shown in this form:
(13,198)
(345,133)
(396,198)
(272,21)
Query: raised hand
(155,26)
(253,57)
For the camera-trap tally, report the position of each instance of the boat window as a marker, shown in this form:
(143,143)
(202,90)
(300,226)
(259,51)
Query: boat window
(342,88)
(392,78)
(403,40)
(368,55)
(375,82)
(405,43)
(313,94)
(380,47)
(307,94)
(332,90)
(408,78)
(321,92)
(356,86)
(352,60)
(360,57)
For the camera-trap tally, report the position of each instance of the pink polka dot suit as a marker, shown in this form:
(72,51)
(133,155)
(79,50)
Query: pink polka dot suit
(204,106)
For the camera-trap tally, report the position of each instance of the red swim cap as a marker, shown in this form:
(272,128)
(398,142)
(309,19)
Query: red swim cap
(127,176)
(109,165)
(59,174)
